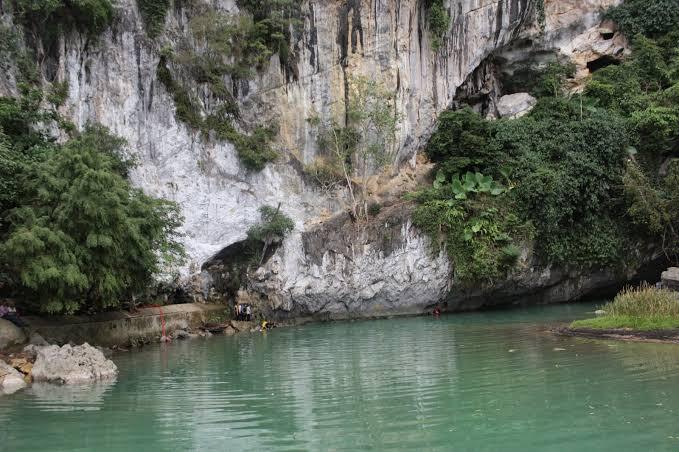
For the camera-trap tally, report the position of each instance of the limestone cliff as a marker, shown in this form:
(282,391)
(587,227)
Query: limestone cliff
(113,81)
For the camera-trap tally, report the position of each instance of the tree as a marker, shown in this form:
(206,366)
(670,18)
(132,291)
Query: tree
(366,141)
(81,236)
(272,229)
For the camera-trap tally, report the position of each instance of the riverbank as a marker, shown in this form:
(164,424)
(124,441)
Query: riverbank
(123,328)
(669,336)
(645,313)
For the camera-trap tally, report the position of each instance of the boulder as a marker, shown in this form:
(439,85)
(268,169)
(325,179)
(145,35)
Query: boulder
(10,379)
(71,364)
(670,278)
(36,339)
(10,334)
(514,106)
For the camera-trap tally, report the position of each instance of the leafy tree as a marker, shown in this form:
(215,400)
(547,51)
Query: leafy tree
(153,14)
(650,18)
(82,237)
(365,141)
(272,229)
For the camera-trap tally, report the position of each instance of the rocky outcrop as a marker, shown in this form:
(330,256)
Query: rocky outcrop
(388,267)
(10,379)
(514,106)
(113,82)
(670,278)
(354,272)
(10,334)
(70,364)
(343,269)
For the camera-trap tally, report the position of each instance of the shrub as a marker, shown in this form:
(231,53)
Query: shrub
(650,18)
(472,217)
(153,14)
(569,169)
(439,21)
(644,301)
(326,173)
(81,236)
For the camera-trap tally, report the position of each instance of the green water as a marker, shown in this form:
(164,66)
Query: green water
(483,381)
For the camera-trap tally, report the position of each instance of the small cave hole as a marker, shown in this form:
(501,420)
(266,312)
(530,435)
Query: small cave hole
(607,35)
(601,63)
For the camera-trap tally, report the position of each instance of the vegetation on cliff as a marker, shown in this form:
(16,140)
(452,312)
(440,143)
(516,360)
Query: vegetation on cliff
(586,176)
(74,234)
(207,70)
(362,141)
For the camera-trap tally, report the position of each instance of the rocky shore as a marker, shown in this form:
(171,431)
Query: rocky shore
(68,364)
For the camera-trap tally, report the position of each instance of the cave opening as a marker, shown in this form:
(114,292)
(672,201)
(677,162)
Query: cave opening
(602,62)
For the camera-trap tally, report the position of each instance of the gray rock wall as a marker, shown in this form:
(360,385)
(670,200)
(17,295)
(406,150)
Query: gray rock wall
(113,82)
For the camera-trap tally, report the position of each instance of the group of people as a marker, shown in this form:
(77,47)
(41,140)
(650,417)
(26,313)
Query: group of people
(243,312)
(9,312)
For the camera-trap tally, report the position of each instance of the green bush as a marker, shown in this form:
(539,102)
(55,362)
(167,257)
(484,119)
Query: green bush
(153,14)
(650,18)
(472,217)
(439,21)
(81,237)
(49,18)
(569,170)
(273,227)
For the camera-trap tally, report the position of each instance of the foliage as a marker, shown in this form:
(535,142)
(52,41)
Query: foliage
(271,230)
(83,236)
(650,18)
(366,141)
(324,172)
(58,93)
(153,14)
(641,308)
(653,208)
(569,170)
(75,235)
(439,21)
(50,18)
(254,150)
(553,77)
(273,227)
(471,216)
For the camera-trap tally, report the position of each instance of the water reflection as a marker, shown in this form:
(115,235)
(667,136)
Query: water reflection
(495,380)
(80,397)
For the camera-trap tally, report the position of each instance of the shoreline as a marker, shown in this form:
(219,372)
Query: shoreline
(670,336)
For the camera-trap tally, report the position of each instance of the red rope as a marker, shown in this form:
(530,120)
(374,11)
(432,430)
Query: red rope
(162,321)
(162,317)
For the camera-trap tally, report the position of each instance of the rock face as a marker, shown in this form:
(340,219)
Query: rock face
(514,106)
(340,269)
(10,334)
(670,278)
(388,268)
(10,379)
(71,364)
(113,82)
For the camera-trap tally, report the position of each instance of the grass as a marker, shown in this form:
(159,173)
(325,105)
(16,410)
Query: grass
(644,308)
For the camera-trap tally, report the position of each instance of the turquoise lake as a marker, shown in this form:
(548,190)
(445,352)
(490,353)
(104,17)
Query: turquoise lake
(480,381)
